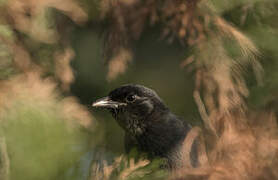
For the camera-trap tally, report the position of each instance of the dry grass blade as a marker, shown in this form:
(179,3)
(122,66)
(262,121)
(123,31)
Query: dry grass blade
(202,110)
(194,135)
(187,61)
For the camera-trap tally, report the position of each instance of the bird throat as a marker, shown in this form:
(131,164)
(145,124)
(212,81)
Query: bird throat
(129,122)
(135,127)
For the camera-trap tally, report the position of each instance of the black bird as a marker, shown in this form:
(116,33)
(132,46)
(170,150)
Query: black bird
(148,123)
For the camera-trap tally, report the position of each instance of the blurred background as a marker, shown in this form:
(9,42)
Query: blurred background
(57,57)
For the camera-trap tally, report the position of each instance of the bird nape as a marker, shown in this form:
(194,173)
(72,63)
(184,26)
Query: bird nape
(148,123)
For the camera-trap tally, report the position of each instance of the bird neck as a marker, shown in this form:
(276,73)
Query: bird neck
(159,110)
(163,132)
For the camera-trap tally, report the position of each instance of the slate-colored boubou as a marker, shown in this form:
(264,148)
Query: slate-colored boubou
(148,123)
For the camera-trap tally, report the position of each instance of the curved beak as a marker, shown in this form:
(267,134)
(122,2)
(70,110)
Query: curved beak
(106,102)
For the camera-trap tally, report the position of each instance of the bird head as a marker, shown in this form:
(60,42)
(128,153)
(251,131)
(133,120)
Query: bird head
(131,105)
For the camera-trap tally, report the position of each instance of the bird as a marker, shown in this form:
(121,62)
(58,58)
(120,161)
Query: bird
(148,123)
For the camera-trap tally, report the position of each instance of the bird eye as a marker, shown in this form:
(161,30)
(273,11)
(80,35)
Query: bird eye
(130,98)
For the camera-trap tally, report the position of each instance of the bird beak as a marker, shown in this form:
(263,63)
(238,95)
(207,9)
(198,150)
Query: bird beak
(106,102)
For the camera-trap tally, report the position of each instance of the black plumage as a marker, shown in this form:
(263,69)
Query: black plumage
(148,123)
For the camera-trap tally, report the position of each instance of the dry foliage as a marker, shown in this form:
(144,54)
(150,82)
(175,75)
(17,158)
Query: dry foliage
(191,22)
(127,20)
(235,145)
(246,149)
(118,64)
(29,16)
(37,20)
(238,145)
(122,167)
(72,109)
(36,57)
(30,87)
(63,70)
